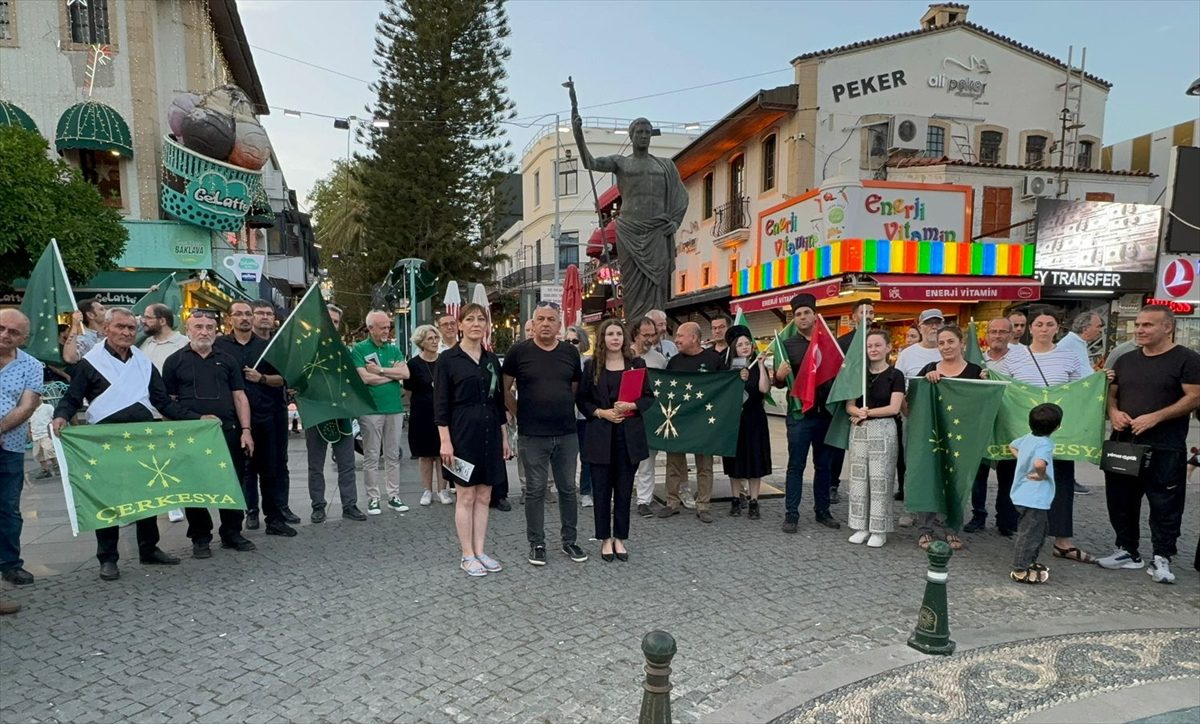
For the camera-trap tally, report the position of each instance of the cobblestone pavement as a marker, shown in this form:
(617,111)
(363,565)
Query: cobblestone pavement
(373,621)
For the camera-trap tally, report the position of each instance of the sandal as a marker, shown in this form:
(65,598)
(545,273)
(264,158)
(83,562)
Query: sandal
(1029,575)
(924,541)
(955,543)
(1074,554)
(472,566)
(1042,572)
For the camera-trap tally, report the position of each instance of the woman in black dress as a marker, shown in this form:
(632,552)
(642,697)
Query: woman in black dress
(753,459)
(422,433)
(953,364)
(468,404)
(615,438)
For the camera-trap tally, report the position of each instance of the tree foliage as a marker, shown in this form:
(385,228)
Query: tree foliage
(429,186)
(337,211)
(43,198)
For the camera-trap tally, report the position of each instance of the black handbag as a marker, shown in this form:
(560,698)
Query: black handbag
(1122,457)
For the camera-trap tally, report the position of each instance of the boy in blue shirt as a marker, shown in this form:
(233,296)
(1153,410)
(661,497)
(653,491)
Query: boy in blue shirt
(1033,491)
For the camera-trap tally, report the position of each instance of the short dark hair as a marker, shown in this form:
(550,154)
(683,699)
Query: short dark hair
(728,319)
(260,304)
(163,312)
(862,303)
(85,305)
(1045,419)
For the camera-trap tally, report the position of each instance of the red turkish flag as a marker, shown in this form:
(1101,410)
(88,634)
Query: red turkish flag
(820,365)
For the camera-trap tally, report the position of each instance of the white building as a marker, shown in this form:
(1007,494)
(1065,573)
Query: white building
(1151,153)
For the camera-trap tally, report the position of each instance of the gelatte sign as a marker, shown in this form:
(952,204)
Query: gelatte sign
(867,210)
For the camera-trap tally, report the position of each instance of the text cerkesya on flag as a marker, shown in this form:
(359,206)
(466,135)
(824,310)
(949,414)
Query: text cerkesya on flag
(310,355)
(1083,403)
(948,430)
(118,473)
(694,412)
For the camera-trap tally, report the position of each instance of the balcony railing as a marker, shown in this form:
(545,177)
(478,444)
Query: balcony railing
(731,217)
(527,276)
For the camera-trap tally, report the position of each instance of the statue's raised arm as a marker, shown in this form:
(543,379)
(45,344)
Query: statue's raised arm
(604,164)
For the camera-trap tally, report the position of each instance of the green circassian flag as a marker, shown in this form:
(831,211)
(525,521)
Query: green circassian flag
(971,349)
(118,473)
(310,355)
(47,295)
(778,357)
(167,293)
(848,385)
(695,412)
(1083,403)
(949,428)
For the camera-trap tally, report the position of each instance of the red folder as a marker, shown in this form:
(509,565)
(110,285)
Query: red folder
(632,382)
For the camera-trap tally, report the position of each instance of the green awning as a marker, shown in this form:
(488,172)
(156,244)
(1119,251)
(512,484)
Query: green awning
(12,115)
(94,126)
(139,280)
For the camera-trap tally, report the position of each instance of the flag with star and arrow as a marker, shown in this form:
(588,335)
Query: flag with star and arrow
(949,427)
(1083,403)
(116,474)
(47,296)
(310,355)
(695,412)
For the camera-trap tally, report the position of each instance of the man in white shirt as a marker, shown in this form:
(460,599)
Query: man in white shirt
(664,345)
(1085,329)
(448,329)
(158,321)
(913,358)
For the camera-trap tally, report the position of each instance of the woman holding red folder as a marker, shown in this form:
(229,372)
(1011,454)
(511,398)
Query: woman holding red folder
(615,439)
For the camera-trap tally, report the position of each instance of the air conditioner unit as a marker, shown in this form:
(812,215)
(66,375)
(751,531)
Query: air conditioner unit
(1036,186)
(908,133)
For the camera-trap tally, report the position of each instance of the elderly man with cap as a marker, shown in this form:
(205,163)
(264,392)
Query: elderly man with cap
(913,358)
(805,430)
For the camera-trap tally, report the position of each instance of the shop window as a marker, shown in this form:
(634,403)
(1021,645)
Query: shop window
(935,142)
(8,22)
(708,195)
(568,177)
(1035,150)
(537,188)
(568,249)
(997,212)
(102,170)
(89,22)
(990,143)
(1083,159)
(768,162)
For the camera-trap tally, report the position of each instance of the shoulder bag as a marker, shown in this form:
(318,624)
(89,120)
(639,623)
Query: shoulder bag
(1125,457)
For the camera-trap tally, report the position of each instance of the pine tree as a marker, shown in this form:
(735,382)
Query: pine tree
(429,187)
(337,212)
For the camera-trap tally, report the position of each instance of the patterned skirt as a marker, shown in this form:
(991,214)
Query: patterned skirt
(873,450)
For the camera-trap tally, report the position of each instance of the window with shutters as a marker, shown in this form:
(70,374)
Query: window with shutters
(1083,159)
(708,196)
(737,178)
(997,212)
(1035,150)
(706,279)
(89,22)
(768,163)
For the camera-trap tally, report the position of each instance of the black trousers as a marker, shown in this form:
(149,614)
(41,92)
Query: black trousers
(612,491)
(107,538)
(900,466)
(263,468)
(283,478)
(1061,521)
(200,523)
(1163,485)
(1006,512)
(837,458)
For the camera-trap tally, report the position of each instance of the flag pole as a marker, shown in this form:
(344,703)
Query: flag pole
(287,321)
(61,265)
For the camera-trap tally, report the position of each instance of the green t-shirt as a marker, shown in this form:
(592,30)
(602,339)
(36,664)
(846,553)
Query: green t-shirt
(388,397)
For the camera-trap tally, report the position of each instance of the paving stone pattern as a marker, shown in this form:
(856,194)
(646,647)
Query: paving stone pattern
(373,621)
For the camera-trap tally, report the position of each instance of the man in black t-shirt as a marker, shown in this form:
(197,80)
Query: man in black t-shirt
(546,373)
(691,358)
(1155,390)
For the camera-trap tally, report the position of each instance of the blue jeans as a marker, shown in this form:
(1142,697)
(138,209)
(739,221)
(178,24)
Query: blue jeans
(802,434)
(12,477)
(546,456)
(585,470)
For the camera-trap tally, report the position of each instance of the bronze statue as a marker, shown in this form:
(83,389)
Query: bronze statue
(653,202)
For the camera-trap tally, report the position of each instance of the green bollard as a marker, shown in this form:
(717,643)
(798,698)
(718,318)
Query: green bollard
(659,649)
(932,635)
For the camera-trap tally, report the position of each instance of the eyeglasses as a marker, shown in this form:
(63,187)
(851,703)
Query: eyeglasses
(205,313)
(552,305)
(574,342)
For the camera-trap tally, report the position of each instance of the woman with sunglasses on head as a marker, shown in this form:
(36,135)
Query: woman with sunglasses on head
(752,461)
(874,445)
(1042,363)
(578,337)
(952,365)
(470,416)
(615,439)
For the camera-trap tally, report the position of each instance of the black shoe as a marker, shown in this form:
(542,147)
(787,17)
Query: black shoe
(318,515)
(237,542)
(537,555)
(976,524)
(289,516)
(704,516)
(1007,533)
(607,557)
(251,520)
(17,576)
(502,505)
(201,550)
(158,557)
(754,514)
(1082,489)
(353,513)
(828,521)
(735,507)
(282,529)
(790,523)
(109,571)
(623,556)
(645,511)
(899,495)
(834,496)
(668,511)
(574,552)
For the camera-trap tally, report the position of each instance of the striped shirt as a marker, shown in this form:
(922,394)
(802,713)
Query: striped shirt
(1056,367)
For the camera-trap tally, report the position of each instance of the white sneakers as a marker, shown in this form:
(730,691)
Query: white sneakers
(1160,570)
(873,540)
(444,497)
(427,497)
(585,501)
(877,540)
(1121,559)
(175,515)
(860,537)
(688,500)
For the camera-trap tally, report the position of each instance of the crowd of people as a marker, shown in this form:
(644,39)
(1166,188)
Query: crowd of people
(552,402)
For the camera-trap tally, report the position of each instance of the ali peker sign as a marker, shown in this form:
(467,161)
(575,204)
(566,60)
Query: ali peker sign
(866,86)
